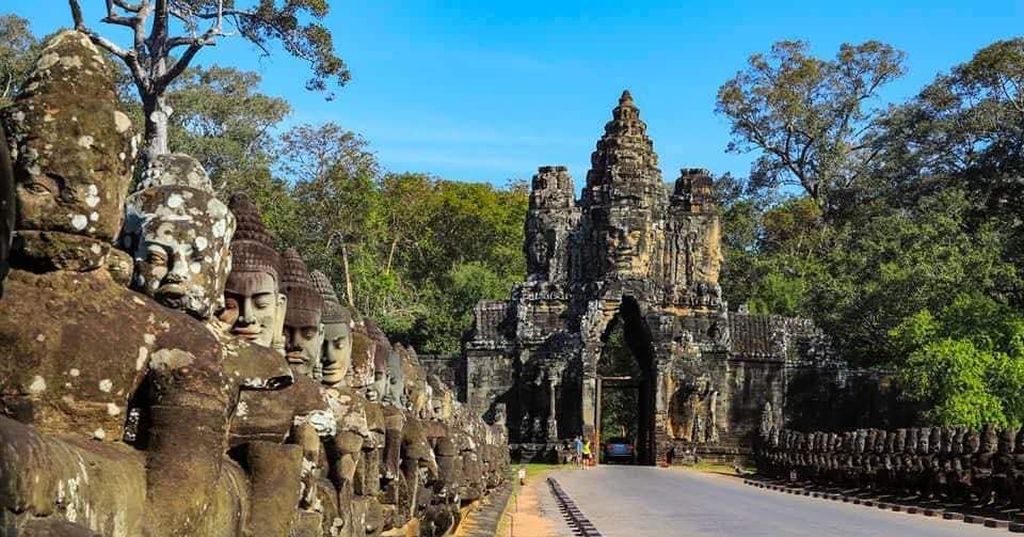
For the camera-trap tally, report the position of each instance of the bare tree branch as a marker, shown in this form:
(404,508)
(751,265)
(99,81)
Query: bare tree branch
(209,38)
(129,57)
(134,8)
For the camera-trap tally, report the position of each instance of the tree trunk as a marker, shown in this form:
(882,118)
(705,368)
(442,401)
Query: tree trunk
(348,276)
(391,255)
(157,113)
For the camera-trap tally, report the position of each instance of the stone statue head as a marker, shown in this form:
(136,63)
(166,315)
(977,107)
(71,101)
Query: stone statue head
(626,246)
(948,434)
(254,307)
(336,356)
(958,441)
(880,439)
(73,151)
(384,384)
(922,440)
(935,440)
(1007,440)
(989,439)
(304,332)
(901,441)
(178,234)
(972,442)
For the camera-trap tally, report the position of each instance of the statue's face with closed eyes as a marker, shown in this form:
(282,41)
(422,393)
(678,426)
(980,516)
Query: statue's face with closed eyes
(178,236)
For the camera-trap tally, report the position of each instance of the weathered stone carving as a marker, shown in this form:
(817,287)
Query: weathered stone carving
(981,468)
(254,306)
(164,413)
(629,251)
(303,331)
(179,233)
(336,355)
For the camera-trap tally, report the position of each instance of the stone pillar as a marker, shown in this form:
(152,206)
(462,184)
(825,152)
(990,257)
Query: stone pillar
(589,403)
(554,383)
(662,397)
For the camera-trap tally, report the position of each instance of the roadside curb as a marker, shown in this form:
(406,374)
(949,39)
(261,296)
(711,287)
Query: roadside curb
(579,523)
(932,512)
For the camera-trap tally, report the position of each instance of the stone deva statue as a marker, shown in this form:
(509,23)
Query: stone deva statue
(304,334)
(178,233)
(127,413)
(254,307)
(336,356)
(78,349)
(73,151)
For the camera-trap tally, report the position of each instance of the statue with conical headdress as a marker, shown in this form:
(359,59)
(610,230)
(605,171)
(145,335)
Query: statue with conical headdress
(254,306)
(336,356)
(303,331)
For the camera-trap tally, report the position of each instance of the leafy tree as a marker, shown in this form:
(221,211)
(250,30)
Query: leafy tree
(806,116)
(888,268)
(966,363)
(965,128)
(335,178)
(223,120)
(18,49)
(155,59)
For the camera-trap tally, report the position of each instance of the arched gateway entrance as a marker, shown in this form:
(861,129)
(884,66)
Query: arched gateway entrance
(625,388)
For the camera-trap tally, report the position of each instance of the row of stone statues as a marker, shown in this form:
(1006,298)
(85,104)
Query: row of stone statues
(164,371)
(983,468)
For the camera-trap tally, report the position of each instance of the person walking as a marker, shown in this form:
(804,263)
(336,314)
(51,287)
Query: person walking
(586,453)
(577,445)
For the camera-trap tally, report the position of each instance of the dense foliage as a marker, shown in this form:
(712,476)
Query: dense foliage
(910,259)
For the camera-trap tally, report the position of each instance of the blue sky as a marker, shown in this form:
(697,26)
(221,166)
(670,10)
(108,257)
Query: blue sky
(488,91)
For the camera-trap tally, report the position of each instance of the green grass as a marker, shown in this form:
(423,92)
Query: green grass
(715,468)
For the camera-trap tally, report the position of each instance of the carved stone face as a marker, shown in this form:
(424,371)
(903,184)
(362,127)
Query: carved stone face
(253,307)
(337,352)
(624,249)
(73,149)
(303,344)
(178,234)
(182,264)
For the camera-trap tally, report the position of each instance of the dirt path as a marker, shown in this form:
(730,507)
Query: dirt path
(536,514)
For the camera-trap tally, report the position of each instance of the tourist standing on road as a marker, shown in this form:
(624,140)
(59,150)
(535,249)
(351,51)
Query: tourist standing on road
(586,453)
(577,445)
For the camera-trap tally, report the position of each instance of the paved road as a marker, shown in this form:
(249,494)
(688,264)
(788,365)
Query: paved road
(625,501)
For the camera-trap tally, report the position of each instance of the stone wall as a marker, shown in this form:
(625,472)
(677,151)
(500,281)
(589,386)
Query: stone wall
(964,466)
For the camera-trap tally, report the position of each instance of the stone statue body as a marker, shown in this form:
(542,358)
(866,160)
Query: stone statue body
(71,300)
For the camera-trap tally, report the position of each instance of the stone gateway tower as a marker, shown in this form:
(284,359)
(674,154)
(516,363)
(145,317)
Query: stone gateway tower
(637,255)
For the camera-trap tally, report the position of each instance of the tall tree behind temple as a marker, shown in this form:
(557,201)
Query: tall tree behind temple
(155,59)
(807,117)
(965,128)
(224,121)
(335,178)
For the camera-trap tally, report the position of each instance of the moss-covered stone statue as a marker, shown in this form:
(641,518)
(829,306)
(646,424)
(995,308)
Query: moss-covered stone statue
(75,344)
(178,234)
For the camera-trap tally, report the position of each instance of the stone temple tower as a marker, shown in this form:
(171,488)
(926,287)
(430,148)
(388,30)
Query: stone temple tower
(550,219)
(628,254)
(621,201)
